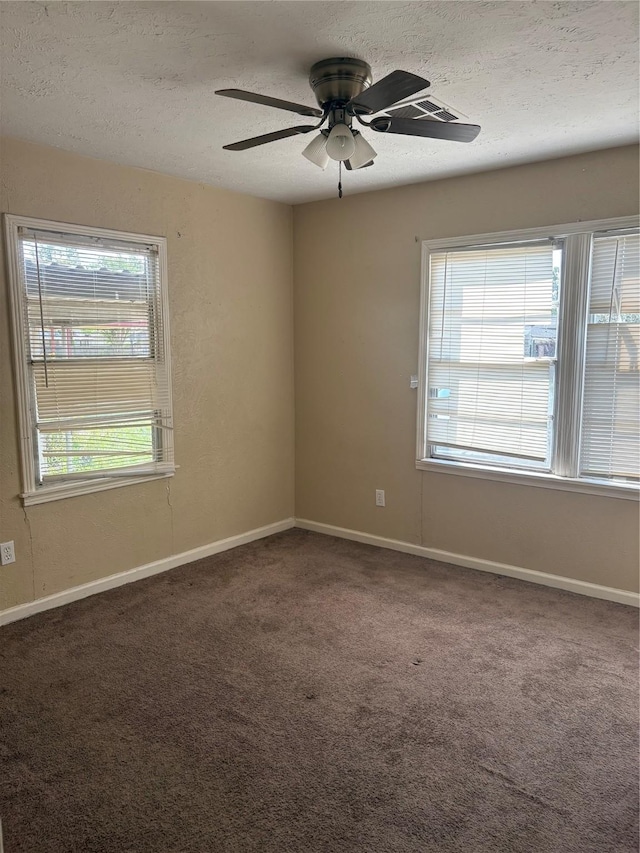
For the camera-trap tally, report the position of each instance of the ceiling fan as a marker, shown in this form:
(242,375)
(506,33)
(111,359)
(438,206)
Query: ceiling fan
(344,91)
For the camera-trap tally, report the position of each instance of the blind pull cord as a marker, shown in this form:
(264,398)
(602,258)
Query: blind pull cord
(613,302)
(615,297)
(42,332)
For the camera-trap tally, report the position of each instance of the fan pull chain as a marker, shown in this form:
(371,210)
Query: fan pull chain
(339,178)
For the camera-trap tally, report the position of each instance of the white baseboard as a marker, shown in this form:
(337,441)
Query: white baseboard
(21,611)
(594,590)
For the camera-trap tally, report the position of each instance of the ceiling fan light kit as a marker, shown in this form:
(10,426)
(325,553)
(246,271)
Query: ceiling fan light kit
(363,154)
(316,150)
(345,91)
(340,142)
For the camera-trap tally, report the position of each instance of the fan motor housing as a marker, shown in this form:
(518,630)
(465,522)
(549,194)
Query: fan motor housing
(336,81)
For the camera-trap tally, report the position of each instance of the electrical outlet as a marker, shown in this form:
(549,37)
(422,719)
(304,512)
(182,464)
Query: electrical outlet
(7,553)
(380,497)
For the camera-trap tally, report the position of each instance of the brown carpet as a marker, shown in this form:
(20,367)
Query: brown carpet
(312,695)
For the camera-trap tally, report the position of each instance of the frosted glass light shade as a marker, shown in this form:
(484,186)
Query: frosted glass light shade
(316,151)
(340,144)
(363,153)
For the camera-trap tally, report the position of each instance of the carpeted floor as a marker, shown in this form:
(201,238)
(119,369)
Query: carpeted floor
(312,695)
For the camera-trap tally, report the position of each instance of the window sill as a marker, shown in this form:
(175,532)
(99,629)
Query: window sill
(73,490)
(531,478)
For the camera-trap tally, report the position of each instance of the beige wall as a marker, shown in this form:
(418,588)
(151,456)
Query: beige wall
(231,327)
(357,291)
(357,271)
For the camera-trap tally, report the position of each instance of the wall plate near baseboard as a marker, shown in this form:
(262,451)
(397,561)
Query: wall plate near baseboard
(593,590)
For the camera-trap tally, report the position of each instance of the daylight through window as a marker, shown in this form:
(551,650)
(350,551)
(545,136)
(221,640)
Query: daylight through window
(92,344)
(532,356)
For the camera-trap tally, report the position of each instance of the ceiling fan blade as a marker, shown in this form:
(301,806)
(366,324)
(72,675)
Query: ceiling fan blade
(350,168)
(392,88)
(431,128)
(269,137)
(241,95)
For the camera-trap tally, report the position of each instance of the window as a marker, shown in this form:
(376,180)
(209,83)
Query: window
(611,408)
(92,357)
(530,357)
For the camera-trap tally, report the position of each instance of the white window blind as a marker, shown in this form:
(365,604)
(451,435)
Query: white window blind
(492,328)
(610,443)
(95,350)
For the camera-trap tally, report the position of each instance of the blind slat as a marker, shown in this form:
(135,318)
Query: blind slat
(94,388)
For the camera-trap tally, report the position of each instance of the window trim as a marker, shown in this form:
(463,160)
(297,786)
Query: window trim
(31,493)
(567,447)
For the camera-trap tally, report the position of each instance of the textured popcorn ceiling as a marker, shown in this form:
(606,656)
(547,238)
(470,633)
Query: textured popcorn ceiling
(133,82)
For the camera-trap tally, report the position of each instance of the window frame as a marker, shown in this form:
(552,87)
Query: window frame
(574,294)
(32,493)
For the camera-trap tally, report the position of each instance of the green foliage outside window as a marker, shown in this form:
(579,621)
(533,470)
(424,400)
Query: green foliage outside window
(80,451)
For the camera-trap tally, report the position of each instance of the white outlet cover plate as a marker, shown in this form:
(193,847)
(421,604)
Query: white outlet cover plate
(7,553)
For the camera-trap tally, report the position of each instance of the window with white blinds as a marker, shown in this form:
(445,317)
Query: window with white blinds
(531,356)
(492,346)
(92,349)
(610,445)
